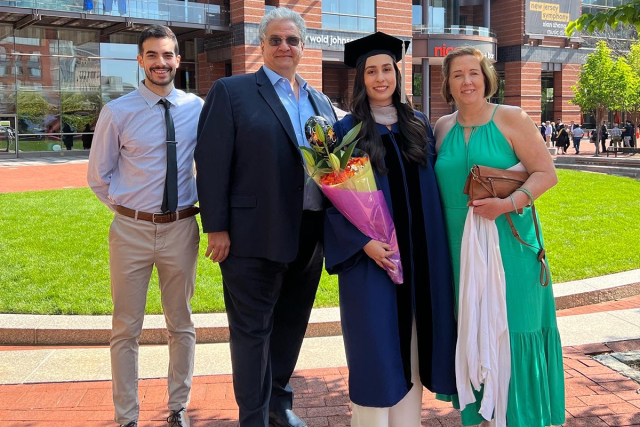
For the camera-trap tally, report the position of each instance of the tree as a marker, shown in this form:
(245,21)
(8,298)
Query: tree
(596,84)
(633,59)
(624,14)
(622,91)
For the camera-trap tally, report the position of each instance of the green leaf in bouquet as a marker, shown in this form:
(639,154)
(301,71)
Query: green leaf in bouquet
(323,163)
(335,162)
(324,171)
(349,137)
(319,133)
(347,155)
(309,156)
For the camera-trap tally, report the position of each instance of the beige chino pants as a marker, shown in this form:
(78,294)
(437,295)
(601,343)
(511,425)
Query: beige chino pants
(135,246)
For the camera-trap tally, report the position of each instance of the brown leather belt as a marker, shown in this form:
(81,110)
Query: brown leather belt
(158,218)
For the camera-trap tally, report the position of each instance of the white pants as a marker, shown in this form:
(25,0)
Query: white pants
(134,248)
(406,413)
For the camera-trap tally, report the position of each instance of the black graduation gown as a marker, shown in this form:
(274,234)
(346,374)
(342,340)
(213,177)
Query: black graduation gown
(377,315)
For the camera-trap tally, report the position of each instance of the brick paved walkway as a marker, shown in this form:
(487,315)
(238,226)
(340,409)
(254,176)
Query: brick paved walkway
(622,304)
(595,396)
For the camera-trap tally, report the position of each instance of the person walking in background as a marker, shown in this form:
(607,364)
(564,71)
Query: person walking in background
(263,218)
(603,135)
(397,337)
(542,129)
(616,136)
(548,131)
(87,137)
(578,133)
(504,137)
(562,140)
(628,133)
(67,137)
(141,167)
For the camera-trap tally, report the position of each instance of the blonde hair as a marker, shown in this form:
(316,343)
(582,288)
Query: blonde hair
(490,75)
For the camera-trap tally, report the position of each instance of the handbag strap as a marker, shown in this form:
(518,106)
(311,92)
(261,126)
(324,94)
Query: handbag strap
(544,268)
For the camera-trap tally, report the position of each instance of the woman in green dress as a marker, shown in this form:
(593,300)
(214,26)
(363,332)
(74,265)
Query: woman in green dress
(481,133)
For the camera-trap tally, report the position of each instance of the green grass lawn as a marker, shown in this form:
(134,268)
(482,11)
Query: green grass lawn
(54,250)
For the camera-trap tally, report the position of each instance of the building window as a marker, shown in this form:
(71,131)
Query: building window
(349,15)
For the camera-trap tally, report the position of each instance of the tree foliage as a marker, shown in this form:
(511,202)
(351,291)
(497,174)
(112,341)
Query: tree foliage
(624,14)
(596,82)
(623,88)
(633,59)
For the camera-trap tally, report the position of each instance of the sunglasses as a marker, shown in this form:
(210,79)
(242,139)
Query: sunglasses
(291,41)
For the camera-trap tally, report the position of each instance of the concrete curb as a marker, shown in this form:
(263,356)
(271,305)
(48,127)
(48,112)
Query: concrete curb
(43,330)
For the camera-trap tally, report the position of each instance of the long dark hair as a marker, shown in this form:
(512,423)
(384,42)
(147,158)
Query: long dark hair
(412,129)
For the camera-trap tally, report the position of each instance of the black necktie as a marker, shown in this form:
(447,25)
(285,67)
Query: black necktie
(170,198)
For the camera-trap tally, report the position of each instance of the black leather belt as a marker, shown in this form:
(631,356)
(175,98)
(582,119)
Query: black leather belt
(157,218)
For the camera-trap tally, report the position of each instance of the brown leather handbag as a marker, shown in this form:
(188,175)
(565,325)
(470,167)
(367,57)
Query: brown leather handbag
(484,182)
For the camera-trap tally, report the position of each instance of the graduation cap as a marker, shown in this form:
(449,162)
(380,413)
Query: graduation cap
(379,43)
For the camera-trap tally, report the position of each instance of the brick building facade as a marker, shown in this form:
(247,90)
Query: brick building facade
(525,63)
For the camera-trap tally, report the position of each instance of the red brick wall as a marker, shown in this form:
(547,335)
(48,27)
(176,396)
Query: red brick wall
(562,93)
(311,11)
(553,42)
(208,73)
(439,106)
(394,17)
(332,79)
(246,59)
(522,87)
(246,11)
(507,20)
(310,67)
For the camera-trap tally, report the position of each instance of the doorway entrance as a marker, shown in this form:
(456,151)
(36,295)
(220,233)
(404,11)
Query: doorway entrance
(547,96)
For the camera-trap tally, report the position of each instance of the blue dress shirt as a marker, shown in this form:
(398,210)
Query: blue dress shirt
(299,111)
(128,158)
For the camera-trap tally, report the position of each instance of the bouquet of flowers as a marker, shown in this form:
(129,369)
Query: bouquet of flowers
(346,178)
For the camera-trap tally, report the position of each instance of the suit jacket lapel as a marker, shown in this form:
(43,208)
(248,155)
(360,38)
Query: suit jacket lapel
(317,101)
(269,94)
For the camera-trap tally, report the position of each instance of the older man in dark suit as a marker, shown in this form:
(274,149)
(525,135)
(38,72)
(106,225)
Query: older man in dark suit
(264,221)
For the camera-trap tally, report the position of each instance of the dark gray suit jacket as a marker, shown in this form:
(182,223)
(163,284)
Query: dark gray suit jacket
(250,174)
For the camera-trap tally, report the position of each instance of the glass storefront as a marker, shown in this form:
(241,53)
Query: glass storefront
(442,14)
(349,15)
(212,12)
(56,81)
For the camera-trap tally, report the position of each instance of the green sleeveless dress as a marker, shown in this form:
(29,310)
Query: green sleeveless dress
(536,389)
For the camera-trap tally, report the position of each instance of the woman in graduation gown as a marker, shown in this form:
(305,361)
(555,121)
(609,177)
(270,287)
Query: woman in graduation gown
(397,337)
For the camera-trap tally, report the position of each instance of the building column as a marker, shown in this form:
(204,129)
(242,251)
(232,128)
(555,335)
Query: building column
(426,87)
(523,87)
(439,106)
(246,58)
(486,13)
(425,15)
(562,93)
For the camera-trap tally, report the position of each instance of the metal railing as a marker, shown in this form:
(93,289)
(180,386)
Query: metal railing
(468,30)
(201,12)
